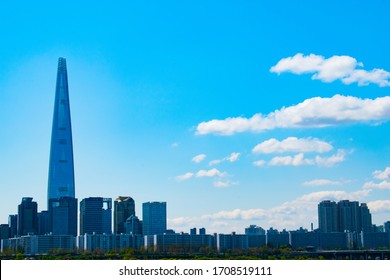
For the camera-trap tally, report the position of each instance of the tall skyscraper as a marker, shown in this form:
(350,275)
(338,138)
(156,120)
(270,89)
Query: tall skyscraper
(154,218)
(27,216)
(95,215)
(124,207)
(61,170)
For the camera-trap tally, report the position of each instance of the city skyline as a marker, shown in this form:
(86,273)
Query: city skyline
(233,114)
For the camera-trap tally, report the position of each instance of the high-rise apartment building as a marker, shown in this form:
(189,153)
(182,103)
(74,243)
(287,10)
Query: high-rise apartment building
(27,216)
(61,170)
(95,215)
(124,207)
(366,219)
(154,218)
(327,216)
(344,216)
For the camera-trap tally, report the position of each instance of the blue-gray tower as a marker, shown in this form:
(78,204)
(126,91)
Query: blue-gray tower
(61,168)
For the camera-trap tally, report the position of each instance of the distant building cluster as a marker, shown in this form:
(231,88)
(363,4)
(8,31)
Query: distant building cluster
(342,225)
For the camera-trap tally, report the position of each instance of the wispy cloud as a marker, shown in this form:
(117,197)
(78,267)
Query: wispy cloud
(198,158)
(232,158)
(224,183)
(330,69)
(321,183)
(185,176)
(315,112)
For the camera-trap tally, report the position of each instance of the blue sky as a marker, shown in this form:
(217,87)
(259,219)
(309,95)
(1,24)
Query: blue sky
(234,113)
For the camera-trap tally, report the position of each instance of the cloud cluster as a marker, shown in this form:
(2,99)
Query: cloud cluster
(330,69)
(299,146)
(315,112)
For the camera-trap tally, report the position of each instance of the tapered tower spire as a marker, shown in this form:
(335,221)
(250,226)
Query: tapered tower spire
(61,168)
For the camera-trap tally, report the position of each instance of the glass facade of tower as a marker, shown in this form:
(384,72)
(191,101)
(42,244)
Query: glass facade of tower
(124,207)
(154,218)
(95,215)
(61,170)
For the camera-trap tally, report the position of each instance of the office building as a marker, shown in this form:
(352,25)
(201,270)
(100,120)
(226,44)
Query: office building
(43,223)
(13,225)
(95,215)
(63,216)
(61,170)
(133,225)
(386,226)
(4,231)
(27,216)
(154,218)
(124,207)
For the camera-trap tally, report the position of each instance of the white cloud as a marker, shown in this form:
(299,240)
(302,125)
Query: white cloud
(185,176)
(198,158)
(175,145)
(321,182)
(210,173)
(296,160)
(205,173)
(260,162)
(224,184)
(216,161)
(331,69)
(384,185)
(379,206)
(315,112)
(232,158)
(382,175)
(292,144)
(299,159)
(363,77)
(332,160)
